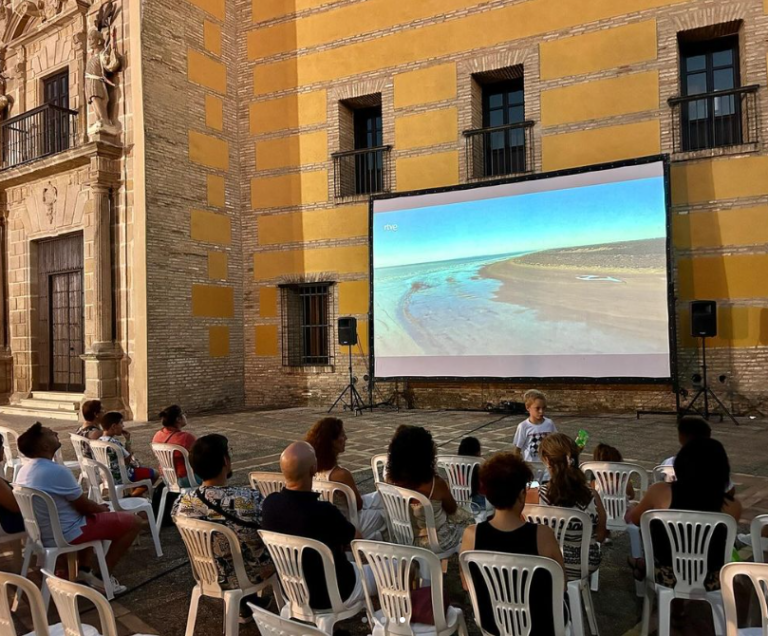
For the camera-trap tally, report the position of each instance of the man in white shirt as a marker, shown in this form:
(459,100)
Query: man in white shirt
(81,519)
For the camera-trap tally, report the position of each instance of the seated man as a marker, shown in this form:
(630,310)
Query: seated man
(82,520)
(236,507)
(297,511)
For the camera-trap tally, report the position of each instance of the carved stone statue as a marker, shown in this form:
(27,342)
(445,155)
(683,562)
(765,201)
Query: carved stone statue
(102,63)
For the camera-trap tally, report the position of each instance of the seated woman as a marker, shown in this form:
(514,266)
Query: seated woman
(568,488)
(703,473)
(411,461)
(11,520)
(329,440)
(173,421)
(503,479)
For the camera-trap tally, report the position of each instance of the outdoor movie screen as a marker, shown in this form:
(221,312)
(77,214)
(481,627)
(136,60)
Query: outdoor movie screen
(563,276)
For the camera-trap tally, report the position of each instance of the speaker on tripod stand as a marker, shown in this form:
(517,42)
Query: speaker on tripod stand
(350,397)
(703,326)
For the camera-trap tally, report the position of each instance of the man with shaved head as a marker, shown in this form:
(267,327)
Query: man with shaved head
(298,511)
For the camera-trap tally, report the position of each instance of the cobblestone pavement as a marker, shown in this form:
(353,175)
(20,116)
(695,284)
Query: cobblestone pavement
(159,589)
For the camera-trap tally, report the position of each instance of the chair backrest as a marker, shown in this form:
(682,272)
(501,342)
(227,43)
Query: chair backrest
(391,566)
(331,491)
(198,537)
(397,503)
(270,624)
(165,455)
(611,481)
(379,467)
(27,498)
(690,536)
(508,578)
(65,595)
(756,531)
(757,573)
(287,554)
(664,473)
(82,445)
(104,452)
(101,480)
(12,455)
(266,482)
(34,597)
(564,521)
(459,469)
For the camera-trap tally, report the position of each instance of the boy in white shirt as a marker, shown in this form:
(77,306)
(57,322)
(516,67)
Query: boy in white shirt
(531,432)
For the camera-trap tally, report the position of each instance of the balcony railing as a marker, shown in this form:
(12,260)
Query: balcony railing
(43,131)
(361,172)
(715,120)
(500,151)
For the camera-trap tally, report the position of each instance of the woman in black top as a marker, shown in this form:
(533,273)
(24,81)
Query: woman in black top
(11,520)
(503,480)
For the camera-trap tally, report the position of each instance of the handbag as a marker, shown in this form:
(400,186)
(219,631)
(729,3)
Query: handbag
(421,605)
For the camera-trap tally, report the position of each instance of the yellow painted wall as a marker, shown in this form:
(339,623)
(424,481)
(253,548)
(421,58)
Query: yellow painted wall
(217,8)
(346,221)
(208,151)
(427,129)
(212,37)
(218,341)
(431,84)
(269,9)
(620,95)
(292,151)
(268,302)
(334,260)
(363,335)
(293,111)
(429,171)
(354,297)
(599,145)
(732,276)
(737,327)
(591,52)
(489,28)
(210,227)
(216,190)
(214,112)
(725,178)
(266,340)
(739,226)
(218,265)
(289,190)
(213,301)
(206,71)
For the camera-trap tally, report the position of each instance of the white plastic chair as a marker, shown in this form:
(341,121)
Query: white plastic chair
(611,480)
(101,481)
(397,504)
(508,578)
(270,624)
(329,490)
(26,498)
(379,467)
(287,553)
(102,452)
(756,532)
(391,566)
(459,469)
(689,535)
(13,459)
(539,470)
(36,607)
(563,520)
(664,473)
(266,482)
(165,455)
(198,536)
(758,575)
(17,539)
(65,595)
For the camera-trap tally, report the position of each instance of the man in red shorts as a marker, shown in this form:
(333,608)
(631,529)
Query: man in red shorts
(81,519)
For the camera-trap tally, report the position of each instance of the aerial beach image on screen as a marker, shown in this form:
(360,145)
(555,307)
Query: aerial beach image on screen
(562,272)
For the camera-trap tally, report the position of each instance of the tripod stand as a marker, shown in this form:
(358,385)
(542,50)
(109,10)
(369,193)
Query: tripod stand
(706,392)
(353,401)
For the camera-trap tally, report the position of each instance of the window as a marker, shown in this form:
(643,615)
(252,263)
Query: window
(56,117)
(369,166)
(306,321)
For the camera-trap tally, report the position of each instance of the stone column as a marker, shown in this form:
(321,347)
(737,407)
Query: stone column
(102,272)
(6,358)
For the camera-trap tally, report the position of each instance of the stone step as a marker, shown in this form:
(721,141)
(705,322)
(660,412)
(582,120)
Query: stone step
(49,405)
(57,396)
(21,411)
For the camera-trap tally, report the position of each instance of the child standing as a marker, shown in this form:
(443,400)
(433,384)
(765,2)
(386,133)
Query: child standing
(112,425)
(531,432)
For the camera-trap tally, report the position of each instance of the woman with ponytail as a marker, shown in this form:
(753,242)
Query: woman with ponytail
(568,488)
(173,421)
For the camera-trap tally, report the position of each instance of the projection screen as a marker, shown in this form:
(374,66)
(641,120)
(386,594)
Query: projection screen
(557,277)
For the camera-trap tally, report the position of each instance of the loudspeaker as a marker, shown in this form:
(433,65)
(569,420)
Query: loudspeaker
(703,318)
(348,331)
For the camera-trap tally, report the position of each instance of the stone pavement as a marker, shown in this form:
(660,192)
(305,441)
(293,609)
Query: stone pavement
(159,589)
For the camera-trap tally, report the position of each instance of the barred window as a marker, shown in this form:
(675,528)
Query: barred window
(307,324)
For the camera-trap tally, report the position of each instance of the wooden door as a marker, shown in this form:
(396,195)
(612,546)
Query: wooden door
(56,119)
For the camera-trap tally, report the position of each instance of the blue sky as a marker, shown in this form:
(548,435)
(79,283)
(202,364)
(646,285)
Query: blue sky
(607,213)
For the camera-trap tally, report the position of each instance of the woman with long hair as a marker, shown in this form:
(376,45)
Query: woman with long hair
(329,440)
(411,463)
(568,488)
